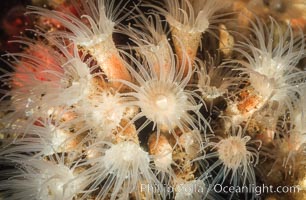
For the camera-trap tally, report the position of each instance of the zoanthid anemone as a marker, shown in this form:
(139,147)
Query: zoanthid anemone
(191,142)
(290,145)
(44,138)
(236,157)
(149,34)
(164,97)
(103,112)
(188,20)
(92,31)
(41,83)
(26,72)
(192,16)
(271,59)
(161,151)
(216,80)
(299,114)
(121,171)
(289,153)
(50,178)
(94,22)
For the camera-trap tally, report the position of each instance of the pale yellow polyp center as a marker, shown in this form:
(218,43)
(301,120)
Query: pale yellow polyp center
(161,102)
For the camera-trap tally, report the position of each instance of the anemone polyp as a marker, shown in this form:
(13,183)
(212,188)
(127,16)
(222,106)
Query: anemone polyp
(43,139)
(161,150)
(102,112)
(55,187)
(92,29)
(274,63)
(166,100)
(289,152)
(191,142)
(188,20)
(42,82)
(66,80)
(215,80)
(163,97)
(289,147)
(151,41)
(236,155)
(121,170)
(52,179)
(232,151)
(125,149)
(130,99)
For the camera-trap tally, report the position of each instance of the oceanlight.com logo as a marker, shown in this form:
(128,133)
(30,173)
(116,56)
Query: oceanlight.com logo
(256,189)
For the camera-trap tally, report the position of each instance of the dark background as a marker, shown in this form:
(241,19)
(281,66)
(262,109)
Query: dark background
(12,22)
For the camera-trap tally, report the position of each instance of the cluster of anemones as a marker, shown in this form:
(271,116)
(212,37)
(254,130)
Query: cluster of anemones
(85,118)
